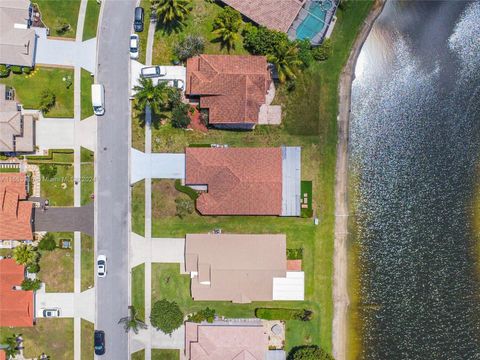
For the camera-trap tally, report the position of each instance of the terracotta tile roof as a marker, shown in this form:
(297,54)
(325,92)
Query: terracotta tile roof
(274,14)
(15,215)
(16,306)
(231,87)
(294,265)
(240,181)
(3,355)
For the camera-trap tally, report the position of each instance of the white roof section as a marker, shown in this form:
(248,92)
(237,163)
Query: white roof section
(173,73)
(291,177)
(291,287)
(157,166)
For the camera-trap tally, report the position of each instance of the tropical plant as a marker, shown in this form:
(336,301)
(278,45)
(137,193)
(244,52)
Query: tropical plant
(285,58)
(16,69)
(309,352)
(323,52)
(48,171)
(25,254)
(156,96)
(207,315)
(47,243)
(166,316)
(305,52)
(171,11)
(4,70)
(262,41)
(29,284)
(47,100)
(184,207)
(132,322)
(33,268)
(10,346)
(226,27)
(191,46)
(180,117)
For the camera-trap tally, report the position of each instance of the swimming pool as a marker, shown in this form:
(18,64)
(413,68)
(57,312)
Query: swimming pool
(315,20)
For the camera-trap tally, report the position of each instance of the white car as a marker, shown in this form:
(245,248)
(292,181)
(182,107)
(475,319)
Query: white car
(48,313)
(153,71)
(177,84)
(134,46)
(101,266)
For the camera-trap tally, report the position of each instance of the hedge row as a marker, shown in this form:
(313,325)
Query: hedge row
(186,190)
(283,314)
(50,154)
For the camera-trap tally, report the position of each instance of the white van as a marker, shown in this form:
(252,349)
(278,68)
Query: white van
(98,99)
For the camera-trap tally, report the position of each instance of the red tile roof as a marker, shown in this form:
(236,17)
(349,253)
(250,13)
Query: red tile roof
(3,355)
(241,181)
(16,306)
(231,87)
(15,215)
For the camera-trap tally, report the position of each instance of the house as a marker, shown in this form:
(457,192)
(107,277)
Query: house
(241,268)
(233,340)
(245,181)
(17,39)
(15,214)
(233,89)
(16,129)
(16,305)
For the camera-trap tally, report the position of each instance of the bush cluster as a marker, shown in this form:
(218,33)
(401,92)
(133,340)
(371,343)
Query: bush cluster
(207,315)
(190,46)
(186,189)
(166,316)
(283,314)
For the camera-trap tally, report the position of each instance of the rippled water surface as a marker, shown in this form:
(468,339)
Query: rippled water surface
(415,146)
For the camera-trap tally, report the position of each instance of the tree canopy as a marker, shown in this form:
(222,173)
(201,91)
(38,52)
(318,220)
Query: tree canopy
(310,352)
(166,316)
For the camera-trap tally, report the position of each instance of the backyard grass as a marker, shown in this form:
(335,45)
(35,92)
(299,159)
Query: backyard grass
(199,22)
(138,208)
(139,355)
(165,354)
(88,262)
(86,94)
(87,340)
(56,267)
(91,20)
(59,189)
(29,88)
(138,290)
(55,12)
(87,176)
(53,337)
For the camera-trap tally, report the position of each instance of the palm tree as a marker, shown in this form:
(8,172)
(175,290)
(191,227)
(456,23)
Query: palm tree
(171,11)
(25,254)
(156,96)
(227,27)
(285,58)
(10,345)
(131,322)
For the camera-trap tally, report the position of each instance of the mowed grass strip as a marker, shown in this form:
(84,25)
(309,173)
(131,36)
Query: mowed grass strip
(138,290)
(86,82)
(87,351)
(55,12)
(88,262)
(87,173)
(139,355)
(138,208)
(91,20)
(165,354)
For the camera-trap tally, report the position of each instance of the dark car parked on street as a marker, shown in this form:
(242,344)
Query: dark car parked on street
(99,342)
(138,20)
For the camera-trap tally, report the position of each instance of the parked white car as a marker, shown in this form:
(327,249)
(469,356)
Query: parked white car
(179,84)
(153,71)
(101,266)
(134,46)
(49,313)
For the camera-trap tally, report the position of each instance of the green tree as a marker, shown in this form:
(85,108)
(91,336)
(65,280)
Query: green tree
(191,46)
(184,207)
(48,171)
(47,243)
(157,96)
(47,100)
(286,61)
(171,11)
(180,116)
(309,352)
(166,316)
(9,345)
(29,284)
(25,254)
(202,315)
(323,52)
(226,27)
(262,41)
(132,322)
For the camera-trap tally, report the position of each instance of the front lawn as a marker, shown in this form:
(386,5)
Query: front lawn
(88,262)
(91,20)
(56,12)
(59,188)
(138,208)
(86,82)
(29,88)
(165,354)
(57,266)
(139,355)
(138,290)
(87,176)
(87,340)
(53,337)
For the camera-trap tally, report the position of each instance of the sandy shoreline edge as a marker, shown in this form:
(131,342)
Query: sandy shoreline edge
(340,256)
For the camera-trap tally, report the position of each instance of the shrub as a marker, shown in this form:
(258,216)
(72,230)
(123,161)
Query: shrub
(166,316)
(180,116)
(186,189)
(309,352)
(295,254)
(323,52)
(29,284)
(47,243)
(27,70)
(61,26)
(184,207)
(262,41)
(306,213)
(189,47)
(33,268)
(4,71)
(48,171)
(175,98)
(25,254)
(305,53)
(283,314)
(47,100)
(16,69)
(207,315)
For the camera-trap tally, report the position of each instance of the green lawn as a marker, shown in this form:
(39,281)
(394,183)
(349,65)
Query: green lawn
(59,11)
(28,89)
(87,340)
(138,290)
(53,337)
(87,176)
(138,131)
(9,170)
(143,35)
(56,267)
(91,20)
(165,354)
(139,355)
(86,94)
(59,189)
(138,208)
(88,262)
(199,22)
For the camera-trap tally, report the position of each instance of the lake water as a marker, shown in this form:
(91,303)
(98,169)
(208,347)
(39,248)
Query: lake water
(415,146)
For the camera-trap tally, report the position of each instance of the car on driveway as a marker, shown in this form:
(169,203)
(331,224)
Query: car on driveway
(153,71)
(101,266)
(134,46)
(99,342)
(48,313)
(138,19)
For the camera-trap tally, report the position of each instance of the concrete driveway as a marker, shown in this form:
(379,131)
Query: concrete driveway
(156,250)
(157,166)
(71,305)
(173,73)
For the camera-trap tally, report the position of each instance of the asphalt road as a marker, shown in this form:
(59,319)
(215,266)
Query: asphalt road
(112,172)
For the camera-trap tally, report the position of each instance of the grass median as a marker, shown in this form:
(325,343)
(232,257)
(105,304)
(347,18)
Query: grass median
(91,20)
(138,290)
(87,176)
(88,262)
(87,351)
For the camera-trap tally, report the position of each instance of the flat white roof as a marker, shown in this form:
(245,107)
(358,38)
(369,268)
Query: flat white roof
(291,287)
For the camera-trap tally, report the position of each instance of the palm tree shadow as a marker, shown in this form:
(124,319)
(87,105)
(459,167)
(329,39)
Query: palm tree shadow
(223,45)
(172,27)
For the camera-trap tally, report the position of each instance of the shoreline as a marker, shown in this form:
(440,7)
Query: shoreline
(340,260)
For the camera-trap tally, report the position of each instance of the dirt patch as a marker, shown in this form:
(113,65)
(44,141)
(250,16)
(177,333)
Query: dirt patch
(163,198)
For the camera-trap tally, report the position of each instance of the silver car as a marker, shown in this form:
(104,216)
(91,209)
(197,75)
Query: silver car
(49,313)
